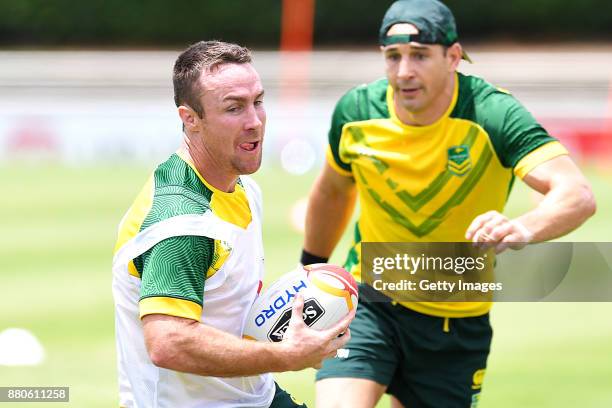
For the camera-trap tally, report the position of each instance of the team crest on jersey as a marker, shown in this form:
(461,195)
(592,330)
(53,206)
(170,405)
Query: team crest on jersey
(459,161)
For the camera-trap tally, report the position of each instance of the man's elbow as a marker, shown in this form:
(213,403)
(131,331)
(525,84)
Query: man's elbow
(167,339)
(161,354)
(164,348)
(588,205)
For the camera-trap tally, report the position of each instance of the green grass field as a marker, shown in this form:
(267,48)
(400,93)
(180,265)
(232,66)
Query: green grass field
(58,228)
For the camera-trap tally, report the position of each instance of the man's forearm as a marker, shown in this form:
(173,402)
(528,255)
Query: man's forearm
(568,202)
(562,210)
(195,348)
(329,211)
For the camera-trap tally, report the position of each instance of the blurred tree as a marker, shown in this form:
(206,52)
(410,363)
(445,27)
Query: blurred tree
(257,23)
(121,23)
(534,20)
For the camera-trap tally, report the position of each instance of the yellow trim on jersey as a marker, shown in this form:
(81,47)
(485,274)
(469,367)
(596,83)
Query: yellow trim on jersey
(132,222)
(332,162)
(538,156)
(220,255)
(231,207)
(170,306)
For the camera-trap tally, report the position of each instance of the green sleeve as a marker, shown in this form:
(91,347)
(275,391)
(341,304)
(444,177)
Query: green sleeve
(176,268)
(514,131)
(347,110)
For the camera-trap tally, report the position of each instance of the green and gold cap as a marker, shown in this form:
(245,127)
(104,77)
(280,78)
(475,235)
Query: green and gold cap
(434,21)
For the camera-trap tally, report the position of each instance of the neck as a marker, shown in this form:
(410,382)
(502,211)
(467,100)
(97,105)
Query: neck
(206,166)
(432,113)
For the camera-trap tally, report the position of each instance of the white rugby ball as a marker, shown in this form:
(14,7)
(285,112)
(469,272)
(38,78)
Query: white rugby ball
(329,291)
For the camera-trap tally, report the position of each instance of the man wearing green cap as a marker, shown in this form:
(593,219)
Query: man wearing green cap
(432,155)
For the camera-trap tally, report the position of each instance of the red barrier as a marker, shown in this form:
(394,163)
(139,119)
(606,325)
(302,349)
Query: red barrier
(587,139)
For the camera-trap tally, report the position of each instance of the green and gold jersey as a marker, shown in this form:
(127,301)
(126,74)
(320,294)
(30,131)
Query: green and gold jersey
(173,272)
(428,183)
(188,250)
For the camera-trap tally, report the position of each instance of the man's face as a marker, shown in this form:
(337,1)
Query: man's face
(234,118)
(418,73)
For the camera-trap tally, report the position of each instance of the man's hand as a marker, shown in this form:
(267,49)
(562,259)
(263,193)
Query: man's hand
(495,229)
(306,347)
(568,202)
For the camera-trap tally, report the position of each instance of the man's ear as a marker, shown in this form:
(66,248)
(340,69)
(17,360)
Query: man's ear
(189,117)
(454,54)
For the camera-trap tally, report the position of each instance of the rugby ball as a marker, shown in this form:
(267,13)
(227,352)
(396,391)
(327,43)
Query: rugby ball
(329,291)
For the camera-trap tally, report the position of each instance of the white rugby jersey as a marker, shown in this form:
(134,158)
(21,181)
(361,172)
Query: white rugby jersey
(187,249)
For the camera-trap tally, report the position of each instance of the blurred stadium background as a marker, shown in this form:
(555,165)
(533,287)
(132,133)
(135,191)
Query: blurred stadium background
(86,111)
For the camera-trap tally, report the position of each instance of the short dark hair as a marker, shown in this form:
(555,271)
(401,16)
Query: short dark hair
(202,56)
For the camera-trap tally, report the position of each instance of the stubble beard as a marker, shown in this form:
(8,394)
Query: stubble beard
(243,167)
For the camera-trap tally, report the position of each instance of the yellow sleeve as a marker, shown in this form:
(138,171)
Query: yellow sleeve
(538,156)
(332,162)
(170,306)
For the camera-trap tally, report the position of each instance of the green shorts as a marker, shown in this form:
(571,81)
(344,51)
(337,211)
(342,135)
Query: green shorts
(424,361)
(282,399)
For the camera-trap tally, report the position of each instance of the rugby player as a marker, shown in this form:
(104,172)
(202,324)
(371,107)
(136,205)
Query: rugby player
(431,154)
(188,261)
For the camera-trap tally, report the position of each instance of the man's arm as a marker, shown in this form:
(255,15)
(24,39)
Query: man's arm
(189,346)
(568,202)
(330,206)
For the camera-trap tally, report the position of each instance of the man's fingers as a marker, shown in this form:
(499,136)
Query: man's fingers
(515,237)
(486,230)
(501,231)
(341,341)
(515,240)
(478,223)
(481,236)
(475,225)
(341,326)
(296,310)
(493,230)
